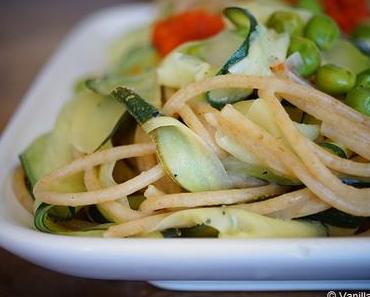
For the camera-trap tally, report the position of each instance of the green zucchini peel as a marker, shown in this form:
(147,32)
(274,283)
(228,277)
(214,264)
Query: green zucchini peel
(246,25)
(182,153)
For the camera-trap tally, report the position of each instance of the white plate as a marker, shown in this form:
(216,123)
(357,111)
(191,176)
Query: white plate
(234,264)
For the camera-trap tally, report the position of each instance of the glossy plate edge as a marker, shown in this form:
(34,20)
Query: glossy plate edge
(238,286)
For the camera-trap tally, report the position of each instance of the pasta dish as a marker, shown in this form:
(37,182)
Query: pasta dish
(229,119)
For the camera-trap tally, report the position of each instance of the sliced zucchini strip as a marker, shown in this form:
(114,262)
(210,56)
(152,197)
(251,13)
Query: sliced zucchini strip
(183,155)
(58,220)
(246,25)
(260,50)
(229,222)
(97,116)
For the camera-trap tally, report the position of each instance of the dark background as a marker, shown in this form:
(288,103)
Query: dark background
(29,32)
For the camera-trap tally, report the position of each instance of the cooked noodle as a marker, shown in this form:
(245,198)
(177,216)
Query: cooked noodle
(296,158)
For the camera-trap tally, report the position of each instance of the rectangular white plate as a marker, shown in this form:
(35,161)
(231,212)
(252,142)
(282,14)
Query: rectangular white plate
(260,264)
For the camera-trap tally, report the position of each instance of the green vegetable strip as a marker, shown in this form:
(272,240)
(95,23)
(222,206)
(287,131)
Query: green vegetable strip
(46,217)
(245,24)
(239,17)
(137,106)
(46,221)
(336,150)
(337,218)
(199,231)
(123,123)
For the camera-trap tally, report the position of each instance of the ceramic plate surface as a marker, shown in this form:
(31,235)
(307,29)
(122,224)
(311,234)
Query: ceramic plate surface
(203,264)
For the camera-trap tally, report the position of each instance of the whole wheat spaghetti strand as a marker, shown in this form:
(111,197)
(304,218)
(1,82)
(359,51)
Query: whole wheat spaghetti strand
(317,104)
(300,145)
(308,99)
(144,225)
(201,108)
(118,212)
(257,141)
(97,196)
(152,192)
(146,162)
(282,202)
(312,101)
(307,208)
(101,157)
(189,200)
(339,164)
(91,179)
(360,135)
(20,190)
(86,162)
(276,204)
(348,204)
(349,138)
(192,121)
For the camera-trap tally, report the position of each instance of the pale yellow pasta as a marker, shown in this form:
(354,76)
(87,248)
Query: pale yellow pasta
(144,163)
(144,225)
(255,140)
(116,211)
(357,197)
(310,100)
(202,108)
(307,208)
(98,196)
(340,164)
(278,203)
(346,204)
(357,141)
(189,200)
(101,157)
(291,156)
(153,192)
(191,120)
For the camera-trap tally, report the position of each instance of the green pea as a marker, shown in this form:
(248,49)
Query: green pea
(309,52)
(312,5)
(363,79)
(322,30)
(362,31)
(286,21)
(359,99)
(335,80)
